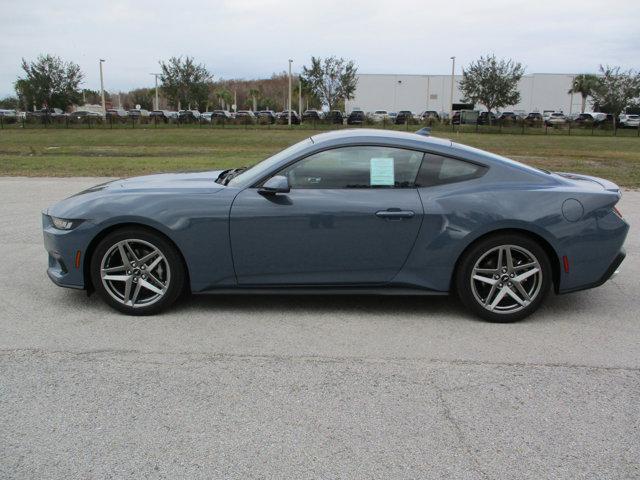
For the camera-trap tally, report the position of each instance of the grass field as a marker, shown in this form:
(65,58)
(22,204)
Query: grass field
(119,152)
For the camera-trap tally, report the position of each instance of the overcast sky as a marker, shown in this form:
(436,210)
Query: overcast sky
(254,38)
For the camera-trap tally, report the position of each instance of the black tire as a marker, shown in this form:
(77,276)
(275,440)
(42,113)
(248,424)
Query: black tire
(470,295)
(174,274)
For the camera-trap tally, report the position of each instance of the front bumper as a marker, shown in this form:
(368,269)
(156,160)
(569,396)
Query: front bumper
(66,249)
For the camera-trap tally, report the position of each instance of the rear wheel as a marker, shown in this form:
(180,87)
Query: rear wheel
(137,271)
(504,278)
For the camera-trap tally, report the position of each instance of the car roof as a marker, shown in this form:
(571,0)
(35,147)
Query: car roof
(375,135)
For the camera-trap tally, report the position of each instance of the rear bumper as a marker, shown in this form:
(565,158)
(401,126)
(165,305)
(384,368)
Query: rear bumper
(611,272)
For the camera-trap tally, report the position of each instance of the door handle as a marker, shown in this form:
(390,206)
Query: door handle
(392,214)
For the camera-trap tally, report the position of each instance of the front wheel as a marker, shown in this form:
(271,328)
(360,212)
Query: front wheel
(504,278)
(137,271)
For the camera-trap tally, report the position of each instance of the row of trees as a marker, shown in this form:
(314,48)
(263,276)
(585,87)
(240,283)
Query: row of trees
(53,83)
(493,83)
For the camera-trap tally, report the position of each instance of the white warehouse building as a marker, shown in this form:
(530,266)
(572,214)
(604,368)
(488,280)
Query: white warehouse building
(538,92)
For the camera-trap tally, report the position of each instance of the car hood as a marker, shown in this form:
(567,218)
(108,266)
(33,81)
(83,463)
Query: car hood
(164,183)
(192,181)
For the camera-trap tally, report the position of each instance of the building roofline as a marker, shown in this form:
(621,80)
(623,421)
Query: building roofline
(457,74)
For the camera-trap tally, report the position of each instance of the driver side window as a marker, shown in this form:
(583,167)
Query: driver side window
(356,167)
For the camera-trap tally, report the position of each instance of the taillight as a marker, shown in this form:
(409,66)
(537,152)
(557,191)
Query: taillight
(617,212)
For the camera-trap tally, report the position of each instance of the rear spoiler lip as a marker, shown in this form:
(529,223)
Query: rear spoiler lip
(604,183)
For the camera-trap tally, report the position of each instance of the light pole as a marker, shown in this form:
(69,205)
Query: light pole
(104,105)
(289,111)
(453,72)
(157,106)
(299,95)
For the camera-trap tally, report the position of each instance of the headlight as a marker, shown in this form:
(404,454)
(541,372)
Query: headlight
(64,223)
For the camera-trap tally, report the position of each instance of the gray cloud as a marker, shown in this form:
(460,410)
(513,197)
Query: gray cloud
(254,38)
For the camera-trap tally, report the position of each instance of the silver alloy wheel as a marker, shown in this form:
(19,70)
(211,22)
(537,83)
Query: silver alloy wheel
(135,273)
(506,279)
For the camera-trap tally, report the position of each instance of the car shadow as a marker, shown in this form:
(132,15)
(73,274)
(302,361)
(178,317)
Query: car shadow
(431,306)
(324,303)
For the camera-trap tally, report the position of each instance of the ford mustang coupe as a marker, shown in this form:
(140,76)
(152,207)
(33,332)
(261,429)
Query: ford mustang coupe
(355,212)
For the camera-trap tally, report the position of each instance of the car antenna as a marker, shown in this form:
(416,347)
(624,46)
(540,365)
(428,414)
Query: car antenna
(426,131)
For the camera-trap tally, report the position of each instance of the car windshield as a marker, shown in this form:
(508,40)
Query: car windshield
(258,170)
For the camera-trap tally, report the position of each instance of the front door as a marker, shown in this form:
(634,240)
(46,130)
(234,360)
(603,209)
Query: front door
(351,217)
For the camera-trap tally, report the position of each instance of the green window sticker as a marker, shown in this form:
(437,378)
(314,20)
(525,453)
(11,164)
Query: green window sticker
(382,172)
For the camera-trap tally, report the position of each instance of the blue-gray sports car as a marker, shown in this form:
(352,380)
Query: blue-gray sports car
(355,211)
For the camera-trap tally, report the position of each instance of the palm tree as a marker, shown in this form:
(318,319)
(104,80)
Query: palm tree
(255,94)
(224,97)
(584,84)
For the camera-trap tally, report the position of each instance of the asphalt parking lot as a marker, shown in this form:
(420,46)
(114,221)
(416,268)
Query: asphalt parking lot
(309,387)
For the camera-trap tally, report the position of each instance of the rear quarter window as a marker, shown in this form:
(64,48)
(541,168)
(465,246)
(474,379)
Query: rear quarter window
(440,170)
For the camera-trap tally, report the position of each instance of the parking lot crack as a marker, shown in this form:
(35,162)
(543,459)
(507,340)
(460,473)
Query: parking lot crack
(141,356)
(458,431)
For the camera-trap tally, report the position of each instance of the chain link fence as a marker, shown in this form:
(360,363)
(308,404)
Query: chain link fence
(516,126)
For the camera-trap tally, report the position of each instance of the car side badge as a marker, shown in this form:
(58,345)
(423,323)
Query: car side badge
(426,131)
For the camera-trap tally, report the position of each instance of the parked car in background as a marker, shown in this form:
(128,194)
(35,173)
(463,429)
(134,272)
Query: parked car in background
(392,117)
(356,117)
(508,117)
(164,115)
(379,116)
(189,115)
(221,115)
(590,119)
(534,118)
(283,117)
(629,120)
(486,118)
(335,116)
(138,113)
(116,113)
(521,114)
(430,115)
(312,115)
(404,116)
(84,115)
(9,116)
(556,118)
(267,116)
(45,114)
(245,113)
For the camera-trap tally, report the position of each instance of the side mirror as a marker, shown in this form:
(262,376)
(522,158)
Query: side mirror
(276,184)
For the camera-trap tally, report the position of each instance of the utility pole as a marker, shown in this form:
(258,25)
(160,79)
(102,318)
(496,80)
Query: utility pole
(289,111)
(453,72)
(104,105)
(300,95)
(157,106)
